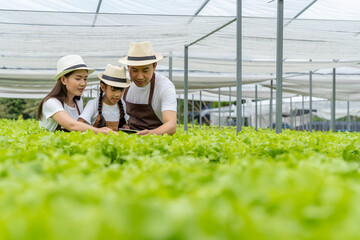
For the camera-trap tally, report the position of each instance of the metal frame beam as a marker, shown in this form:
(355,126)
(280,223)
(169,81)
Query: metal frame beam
(97,12)
(186,68)
(199,10)
(301,12)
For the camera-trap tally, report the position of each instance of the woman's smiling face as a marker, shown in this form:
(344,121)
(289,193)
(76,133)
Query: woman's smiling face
(76,82)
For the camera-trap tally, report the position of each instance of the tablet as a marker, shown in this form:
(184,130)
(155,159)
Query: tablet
(128,130)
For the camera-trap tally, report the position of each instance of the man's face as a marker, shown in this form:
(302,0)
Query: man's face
(141,75)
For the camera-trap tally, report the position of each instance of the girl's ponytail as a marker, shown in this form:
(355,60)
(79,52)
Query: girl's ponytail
(122,120)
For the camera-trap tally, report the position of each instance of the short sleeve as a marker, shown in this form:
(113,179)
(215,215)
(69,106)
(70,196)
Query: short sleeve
(168,98)
(124,107)
(52,106)
(89,113)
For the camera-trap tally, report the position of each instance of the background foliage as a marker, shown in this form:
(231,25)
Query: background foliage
(13,108)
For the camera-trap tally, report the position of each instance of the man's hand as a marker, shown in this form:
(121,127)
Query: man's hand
(145,132)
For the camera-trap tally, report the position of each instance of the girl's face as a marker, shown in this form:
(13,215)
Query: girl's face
(112,94)
(75,83)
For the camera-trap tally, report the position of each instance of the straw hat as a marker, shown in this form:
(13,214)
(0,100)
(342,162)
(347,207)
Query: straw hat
(115,76)
(70,63)
(140,54)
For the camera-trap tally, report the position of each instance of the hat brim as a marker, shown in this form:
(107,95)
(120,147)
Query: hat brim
(57,76)
(115,84)
(125,61)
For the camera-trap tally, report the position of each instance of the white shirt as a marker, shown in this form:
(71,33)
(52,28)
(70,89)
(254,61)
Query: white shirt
(164,97)
(110,112)
(52,106)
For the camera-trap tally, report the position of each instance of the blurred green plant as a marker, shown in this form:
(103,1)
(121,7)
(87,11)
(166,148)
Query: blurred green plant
(203,184)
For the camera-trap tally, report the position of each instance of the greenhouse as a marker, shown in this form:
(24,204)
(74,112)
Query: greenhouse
(267,142)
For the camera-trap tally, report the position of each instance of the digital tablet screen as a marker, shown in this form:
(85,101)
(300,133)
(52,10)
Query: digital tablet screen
(128,130)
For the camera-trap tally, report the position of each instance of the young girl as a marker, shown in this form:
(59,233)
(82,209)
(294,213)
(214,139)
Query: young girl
(61,108)
(107,109)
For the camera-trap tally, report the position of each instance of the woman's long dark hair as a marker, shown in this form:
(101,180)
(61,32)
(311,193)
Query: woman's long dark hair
(59,92)
(102,122)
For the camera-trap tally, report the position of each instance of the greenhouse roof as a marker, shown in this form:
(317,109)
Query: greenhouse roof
(317,35)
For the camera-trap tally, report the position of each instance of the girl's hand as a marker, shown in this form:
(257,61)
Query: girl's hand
(126,126)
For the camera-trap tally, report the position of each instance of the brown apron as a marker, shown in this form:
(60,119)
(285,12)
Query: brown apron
(114,125)
(59,127)
(142,116)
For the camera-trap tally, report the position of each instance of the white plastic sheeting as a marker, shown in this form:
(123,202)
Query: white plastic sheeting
(321,108)
(347,83)
(248,92)
(35,33)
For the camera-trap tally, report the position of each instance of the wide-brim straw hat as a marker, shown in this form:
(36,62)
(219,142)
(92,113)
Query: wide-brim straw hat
(140,54)
(115,76)
(70,63)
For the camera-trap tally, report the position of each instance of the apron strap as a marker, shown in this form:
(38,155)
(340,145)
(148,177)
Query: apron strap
(125,93)
(152,88)
(78,110)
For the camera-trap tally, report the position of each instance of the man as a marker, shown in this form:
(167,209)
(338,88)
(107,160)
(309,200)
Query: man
(151,98)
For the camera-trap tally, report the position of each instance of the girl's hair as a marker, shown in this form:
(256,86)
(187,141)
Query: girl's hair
(59,92)
(102,122)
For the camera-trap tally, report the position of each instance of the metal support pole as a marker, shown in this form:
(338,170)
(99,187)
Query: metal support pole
(230,119)
(256,107)
(270,105)
(303,113)
(219,107)
(291,115)
(186,65)
(310,101)
(179,111)
(238,67)
(170,66)
(333,101)
(192,110)
(260,114)
(348,116)
(200,117)
(243,114)
(279,64)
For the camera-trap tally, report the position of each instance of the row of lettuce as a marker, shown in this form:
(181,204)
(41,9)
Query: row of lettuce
(203,184)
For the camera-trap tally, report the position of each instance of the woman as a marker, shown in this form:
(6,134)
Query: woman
(61,108)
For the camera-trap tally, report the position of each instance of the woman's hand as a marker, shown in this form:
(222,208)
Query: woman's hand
(106,130)
(126,126)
